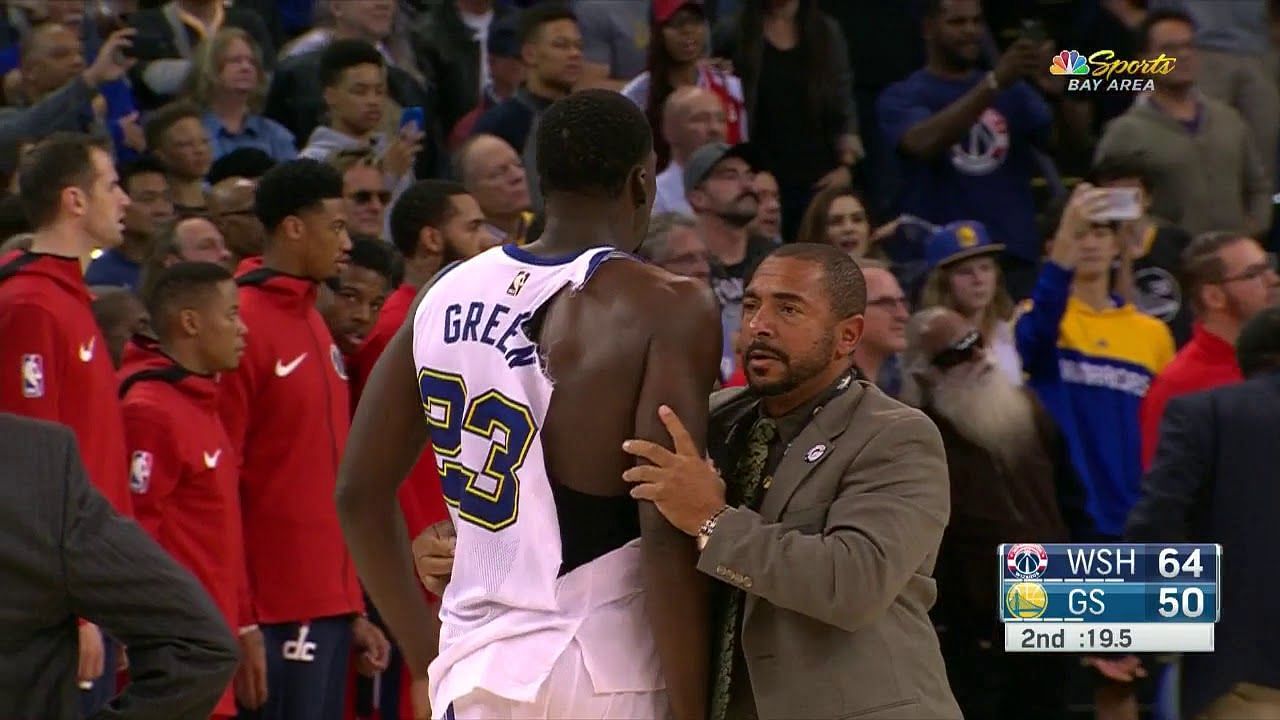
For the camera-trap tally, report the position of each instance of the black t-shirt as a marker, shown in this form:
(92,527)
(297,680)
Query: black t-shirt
(789,139)
(1157,287)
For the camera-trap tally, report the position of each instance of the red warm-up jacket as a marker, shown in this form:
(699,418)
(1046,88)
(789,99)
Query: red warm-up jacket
(185,487)
(54,364)
(286,411)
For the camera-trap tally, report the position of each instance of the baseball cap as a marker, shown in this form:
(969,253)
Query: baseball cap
(664,9)
(958,241)
(704,159)
(504,38)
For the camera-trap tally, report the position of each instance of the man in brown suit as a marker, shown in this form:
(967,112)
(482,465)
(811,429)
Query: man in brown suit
(824,531)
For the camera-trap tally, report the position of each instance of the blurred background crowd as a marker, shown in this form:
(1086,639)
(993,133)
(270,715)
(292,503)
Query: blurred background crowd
(1043,329)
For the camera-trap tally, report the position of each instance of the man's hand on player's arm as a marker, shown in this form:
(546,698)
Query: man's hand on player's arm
(433,556)
(681,365)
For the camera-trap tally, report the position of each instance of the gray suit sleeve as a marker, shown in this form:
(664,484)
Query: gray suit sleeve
(887,517)
(181,654)
(59,111)
(1181,467)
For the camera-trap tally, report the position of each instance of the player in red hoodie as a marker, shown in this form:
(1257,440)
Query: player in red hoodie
(185,489)
(286,411)
(54,363)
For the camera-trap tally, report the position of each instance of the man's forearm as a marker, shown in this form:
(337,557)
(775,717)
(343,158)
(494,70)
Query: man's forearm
(931,137)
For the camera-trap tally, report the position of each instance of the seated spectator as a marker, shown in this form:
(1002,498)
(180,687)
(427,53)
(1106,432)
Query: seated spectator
(351,304)
(768,222)
(247,162)
(354,79)
(149,213)
(168,35)
(672,244)
(19,19)
(965,277)
(1090,357)
(1204,169)
(231,209)
(677,47)
(837,216)
(1155,247)
(801,110)
(692,118)
(492,173)
(377,22)
(506,72)
(179,141)
(1010,477)
(228,81)
(194,238)
(120,315)
(455,42)
(884,330)
(364,191)
(1230,279)
(551,48)
(615,35)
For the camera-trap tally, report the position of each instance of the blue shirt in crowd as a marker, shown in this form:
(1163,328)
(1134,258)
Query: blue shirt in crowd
(986,176)
(113,269)
(258,132)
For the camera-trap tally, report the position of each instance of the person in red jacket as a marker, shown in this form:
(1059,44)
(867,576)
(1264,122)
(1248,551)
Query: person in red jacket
(54,363)
(1229,279)
(285,410)
(434,223)
(185,487)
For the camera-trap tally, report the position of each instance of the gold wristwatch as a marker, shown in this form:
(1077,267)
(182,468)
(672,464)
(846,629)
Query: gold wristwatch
(708,527)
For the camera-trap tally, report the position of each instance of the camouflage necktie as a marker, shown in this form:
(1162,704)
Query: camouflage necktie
(744,487)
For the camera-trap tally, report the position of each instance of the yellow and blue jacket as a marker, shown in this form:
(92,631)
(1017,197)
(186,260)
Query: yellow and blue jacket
(1091,368)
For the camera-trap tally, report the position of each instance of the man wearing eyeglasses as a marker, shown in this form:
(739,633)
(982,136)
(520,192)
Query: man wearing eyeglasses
(1230,279)
(1011,477)
(884,335)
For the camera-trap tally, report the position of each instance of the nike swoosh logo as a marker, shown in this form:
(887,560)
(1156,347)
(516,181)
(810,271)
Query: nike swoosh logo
(211,461)
(284,369)
(86,351)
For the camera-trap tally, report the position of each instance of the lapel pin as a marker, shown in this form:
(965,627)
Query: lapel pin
(844,384)
(815,453)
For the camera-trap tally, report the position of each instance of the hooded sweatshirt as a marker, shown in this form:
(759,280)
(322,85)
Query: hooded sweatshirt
(54,364)
(187,498)
(285,410)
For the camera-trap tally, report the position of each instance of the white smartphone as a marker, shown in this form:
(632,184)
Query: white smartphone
(1122,204)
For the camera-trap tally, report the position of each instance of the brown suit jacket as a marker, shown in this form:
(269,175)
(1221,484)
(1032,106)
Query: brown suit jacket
(836,565)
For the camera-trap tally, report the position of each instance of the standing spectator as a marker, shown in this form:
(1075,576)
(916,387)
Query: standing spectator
(1204,168)
(228,81)
(120,315)
(964,277)
(672,244)
(364,188)
(551,48)
(494,175)
(231,209)
(1229,280)
(185,486)
(351,305)
(377,22)
(837,216)
(453,44)
(965,136)
(794,66)
(615,38)
(768,222)
(1155,248)
(168,36)
(506,73)
(354,79)
(179,141)
(1010,477)
(1090,357)
(692,118)
(717,181)
(676,60)
(150,211)
(309,613)
(52,344)
(63,552)
(884,333)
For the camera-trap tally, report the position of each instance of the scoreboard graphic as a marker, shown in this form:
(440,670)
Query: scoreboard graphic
(1122,598)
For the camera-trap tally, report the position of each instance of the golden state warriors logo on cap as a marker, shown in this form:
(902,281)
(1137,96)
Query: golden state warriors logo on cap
(966,236)
(1026,600)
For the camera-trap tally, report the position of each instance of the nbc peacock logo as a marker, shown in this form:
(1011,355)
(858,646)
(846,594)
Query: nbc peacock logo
(1068,62)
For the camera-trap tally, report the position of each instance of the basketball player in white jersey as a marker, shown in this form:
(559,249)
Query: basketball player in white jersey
(533,365)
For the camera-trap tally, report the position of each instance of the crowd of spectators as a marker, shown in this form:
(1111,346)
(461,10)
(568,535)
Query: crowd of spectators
(1042,326)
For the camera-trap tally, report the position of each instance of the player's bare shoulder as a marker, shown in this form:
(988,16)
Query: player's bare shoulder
(651,298)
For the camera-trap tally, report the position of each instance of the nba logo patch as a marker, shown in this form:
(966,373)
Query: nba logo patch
(32,376)
(140,471)
(338,365)
(517,283)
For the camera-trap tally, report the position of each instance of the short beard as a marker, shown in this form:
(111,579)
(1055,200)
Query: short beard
(797,370)
(991,412)
(738,218)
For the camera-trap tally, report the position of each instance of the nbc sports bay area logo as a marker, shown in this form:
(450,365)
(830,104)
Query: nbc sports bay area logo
(1103,72)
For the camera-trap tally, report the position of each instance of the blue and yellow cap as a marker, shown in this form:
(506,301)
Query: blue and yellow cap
(958,241)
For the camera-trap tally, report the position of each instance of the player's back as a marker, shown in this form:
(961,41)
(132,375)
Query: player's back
(530,389)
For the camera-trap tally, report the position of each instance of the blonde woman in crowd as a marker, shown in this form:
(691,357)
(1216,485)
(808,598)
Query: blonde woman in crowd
(964,275)
(227,81)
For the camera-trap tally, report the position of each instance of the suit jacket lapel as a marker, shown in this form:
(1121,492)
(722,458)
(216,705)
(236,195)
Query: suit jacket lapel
(810,449)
